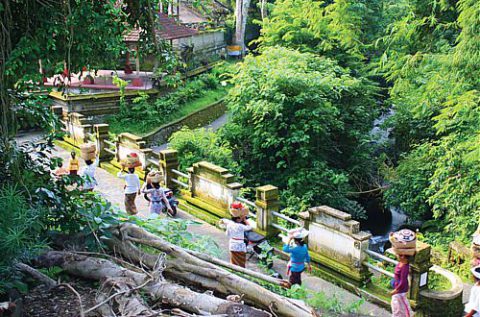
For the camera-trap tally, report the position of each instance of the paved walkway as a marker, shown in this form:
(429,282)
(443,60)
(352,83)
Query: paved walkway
(111,188)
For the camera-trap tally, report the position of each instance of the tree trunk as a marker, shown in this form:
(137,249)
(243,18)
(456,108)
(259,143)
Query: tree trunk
(253,293)
(241,15)
(168,293)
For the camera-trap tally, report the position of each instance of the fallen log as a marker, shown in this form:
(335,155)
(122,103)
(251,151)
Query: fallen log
(252,293)
(39,276)
(239,269)
(168,293)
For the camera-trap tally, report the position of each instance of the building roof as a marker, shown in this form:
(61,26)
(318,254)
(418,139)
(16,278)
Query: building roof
(169,29)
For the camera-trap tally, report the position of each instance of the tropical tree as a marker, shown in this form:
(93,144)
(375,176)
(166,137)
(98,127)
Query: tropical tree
(301,122)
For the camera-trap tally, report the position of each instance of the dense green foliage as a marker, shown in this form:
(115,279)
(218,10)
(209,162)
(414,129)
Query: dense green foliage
(201,145)
(435,90)
(300,122)
(145,114)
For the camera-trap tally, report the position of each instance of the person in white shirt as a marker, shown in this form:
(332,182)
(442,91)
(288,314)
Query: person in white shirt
(132,189)
(88,175)
(472,308)
(236,229)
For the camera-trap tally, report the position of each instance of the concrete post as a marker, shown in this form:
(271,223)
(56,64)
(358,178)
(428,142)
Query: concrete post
(420,265)
(169,161)
(101,134)
(267,201)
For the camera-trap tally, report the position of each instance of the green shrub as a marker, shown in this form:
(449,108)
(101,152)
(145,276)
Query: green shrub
(202,145)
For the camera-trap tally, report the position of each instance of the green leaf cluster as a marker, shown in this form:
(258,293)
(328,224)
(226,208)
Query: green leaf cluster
(299,121)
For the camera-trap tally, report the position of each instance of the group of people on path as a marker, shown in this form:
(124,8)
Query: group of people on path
(87,172)
(238,225)
(155,194)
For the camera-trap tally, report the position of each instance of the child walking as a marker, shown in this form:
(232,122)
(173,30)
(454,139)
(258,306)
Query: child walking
(298,250)
(236,229)
(132,188)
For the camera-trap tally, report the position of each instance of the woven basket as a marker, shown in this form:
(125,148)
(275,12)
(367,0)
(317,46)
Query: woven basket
(403,239)
(409,252)
(132,160)
(154,177)
(476,251)
(88,151)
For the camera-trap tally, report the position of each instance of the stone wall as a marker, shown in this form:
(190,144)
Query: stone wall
(129,143)
(196,119)
(214,186)
(94,104)
(446,303)
(206,43)
(334,235)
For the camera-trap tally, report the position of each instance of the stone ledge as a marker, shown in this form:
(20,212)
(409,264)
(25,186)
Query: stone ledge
(331,212)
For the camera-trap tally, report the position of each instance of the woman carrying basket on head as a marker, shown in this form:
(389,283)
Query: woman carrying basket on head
(156,194)
(236,228)
(298,249)
(404,246)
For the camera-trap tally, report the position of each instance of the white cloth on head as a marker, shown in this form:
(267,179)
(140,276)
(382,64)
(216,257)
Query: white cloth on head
(476,239)
(474,301)
(132,182)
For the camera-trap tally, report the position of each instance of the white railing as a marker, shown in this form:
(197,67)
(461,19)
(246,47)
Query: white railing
(279,227)
(282,216)
(112,144)
(181,174)
(377,268)
(180,183)
(154,162)
(113,152)
(248,203)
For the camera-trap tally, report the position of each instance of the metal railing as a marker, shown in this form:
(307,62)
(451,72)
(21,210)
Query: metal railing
(282,216)
(377,268)
(181,174)
(248,203)
(154,162)
(279,227)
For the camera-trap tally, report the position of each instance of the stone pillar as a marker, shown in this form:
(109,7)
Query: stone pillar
(267,200)
(419,265)
(101,134)
(169,161)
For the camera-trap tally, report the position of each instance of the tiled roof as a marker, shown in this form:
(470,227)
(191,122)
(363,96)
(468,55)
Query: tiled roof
(169,29)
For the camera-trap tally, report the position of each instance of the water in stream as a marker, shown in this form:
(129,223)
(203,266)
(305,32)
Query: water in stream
(381,219)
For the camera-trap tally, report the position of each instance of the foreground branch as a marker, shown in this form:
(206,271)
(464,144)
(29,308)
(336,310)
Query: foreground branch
(252,293)
(168,293)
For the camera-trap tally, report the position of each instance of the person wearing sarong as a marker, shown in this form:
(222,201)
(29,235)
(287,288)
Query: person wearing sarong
(298,249)
(73,164)
(472,308)
(132,188)
(157,197)
(236,228)
(400,304)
